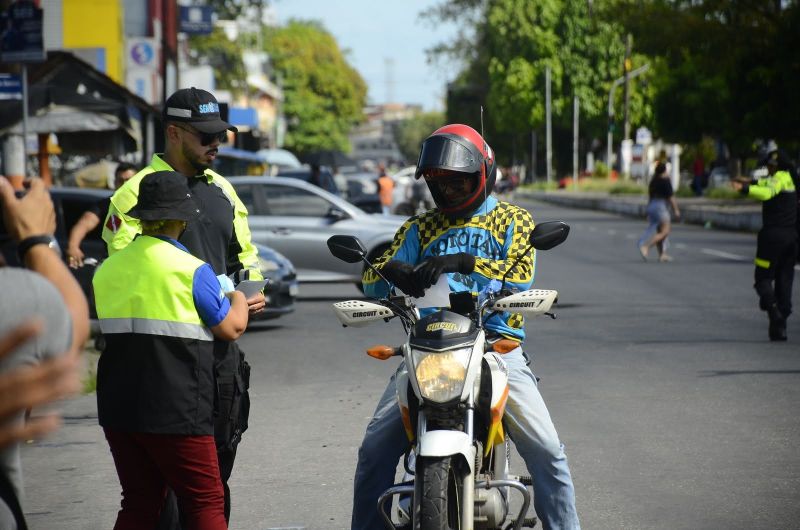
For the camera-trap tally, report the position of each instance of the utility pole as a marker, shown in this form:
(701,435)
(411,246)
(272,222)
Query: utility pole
(534,146)
(575,111)
(614,85)
(626,127)
(549,128)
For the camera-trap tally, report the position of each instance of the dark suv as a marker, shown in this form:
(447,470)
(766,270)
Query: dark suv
(69,205)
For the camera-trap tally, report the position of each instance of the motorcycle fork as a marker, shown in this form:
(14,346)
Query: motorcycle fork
(468,483)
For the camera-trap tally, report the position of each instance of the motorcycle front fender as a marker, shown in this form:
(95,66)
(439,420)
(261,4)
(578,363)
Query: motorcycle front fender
(447,443)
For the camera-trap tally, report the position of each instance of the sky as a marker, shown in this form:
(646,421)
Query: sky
(372,31)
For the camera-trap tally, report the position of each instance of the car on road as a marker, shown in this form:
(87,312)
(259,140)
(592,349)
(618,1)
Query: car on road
(297,218)
(281,289)
(326,180)
(362,190)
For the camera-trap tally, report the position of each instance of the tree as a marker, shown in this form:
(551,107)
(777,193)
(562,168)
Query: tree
(233,9)
(727,67)
(515,41)
(224,55)
(411,132)
(324,96)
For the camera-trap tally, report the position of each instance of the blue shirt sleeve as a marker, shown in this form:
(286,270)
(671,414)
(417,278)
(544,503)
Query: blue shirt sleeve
(211,303)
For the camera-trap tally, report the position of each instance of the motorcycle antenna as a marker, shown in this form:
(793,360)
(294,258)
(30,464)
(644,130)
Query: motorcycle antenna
(486,148)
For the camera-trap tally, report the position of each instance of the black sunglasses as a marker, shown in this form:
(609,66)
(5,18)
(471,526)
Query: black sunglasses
(206,138)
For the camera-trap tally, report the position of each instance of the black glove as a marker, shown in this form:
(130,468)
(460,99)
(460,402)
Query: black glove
(401,274)
(427,272)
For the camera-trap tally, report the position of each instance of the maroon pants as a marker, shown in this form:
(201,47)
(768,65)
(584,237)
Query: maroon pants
(148,463)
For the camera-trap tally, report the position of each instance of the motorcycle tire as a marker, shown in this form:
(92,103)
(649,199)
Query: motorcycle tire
(437,493)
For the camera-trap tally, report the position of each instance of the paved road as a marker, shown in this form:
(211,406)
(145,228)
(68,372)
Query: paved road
(675,410)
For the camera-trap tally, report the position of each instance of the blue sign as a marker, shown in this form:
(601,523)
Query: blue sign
(10,86)
(21,38)
(142,54)
(196,20)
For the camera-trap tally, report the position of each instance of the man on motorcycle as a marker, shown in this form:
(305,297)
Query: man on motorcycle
(473,238)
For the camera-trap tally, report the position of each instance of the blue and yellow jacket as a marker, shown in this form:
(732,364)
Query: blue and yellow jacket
(496,234)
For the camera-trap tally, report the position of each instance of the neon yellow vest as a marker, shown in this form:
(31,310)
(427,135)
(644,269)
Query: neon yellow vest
(119,228)
(146,288)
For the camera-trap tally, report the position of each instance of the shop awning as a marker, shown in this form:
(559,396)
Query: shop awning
(243,117)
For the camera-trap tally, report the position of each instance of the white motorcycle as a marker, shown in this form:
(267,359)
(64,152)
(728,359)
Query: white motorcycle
(452,389)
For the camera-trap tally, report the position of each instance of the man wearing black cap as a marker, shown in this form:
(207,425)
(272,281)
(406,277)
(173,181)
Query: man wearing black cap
(160,308)
(777,243)
(220,236)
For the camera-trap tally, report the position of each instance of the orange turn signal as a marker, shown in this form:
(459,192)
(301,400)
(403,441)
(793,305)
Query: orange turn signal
(380,351)
(505,345)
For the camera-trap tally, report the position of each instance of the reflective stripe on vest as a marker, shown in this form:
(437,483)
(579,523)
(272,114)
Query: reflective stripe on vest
(147,288)
(145,326)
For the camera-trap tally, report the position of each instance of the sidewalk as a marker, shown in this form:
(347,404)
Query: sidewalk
(742,215)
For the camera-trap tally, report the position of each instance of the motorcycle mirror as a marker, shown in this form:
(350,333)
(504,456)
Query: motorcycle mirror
(549,234)
(544,236)
(347,248)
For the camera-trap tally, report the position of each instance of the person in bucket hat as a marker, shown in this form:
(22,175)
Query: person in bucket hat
(159,309)
(194,128)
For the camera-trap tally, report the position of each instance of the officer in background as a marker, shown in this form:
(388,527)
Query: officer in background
(160,308)
(777,243)
(220,236)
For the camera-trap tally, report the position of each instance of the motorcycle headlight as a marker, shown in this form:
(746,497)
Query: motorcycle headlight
(441,375)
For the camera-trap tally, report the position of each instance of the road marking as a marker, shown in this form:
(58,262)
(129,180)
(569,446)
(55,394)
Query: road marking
(612,232)
(726,255)
(680,245)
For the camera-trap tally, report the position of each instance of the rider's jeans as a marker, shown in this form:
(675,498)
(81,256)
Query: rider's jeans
(528,424)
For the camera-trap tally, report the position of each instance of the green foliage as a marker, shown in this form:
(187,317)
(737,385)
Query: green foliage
(505,59)
(410,133)
(224,56)
(705,148)
(723,193)
(627,188)
(541,185)
(727,68)
(324,95)
(600,170)
(233,9)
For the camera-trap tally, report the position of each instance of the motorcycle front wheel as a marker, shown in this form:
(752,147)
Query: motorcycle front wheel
(437,494)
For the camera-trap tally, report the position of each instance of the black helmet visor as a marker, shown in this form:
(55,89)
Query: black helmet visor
(445,151)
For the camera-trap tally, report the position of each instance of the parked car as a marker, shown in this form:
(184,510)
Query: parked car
(296,219)
(71,203)
(362,190)
(410,195)
(281,289)
(304,173)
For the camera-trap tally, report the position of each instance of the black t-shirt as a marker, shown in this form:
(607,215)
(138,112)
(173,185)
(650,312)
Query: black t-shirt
(660,188)
(210,237)
(100,208)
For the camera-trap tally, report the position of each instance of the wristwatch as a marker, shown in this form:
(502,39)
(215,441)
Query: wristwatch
(29,242)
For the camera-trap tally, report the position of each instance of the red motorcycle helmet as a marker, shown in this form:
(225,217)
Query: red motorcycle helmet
(457,150)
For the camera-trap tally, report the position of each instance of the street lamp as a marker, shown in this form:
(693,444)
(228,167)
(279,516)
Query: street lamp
(614,85)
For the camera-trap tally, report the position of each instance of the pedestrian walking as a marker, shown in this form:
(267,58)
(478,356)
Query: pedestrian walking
(776,248)
(660,199)
(220,236)
(385,189)
(159,309)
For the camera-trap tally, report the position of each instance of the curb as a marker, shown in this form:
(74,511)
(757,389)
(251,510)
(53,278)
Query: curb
(742,215)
